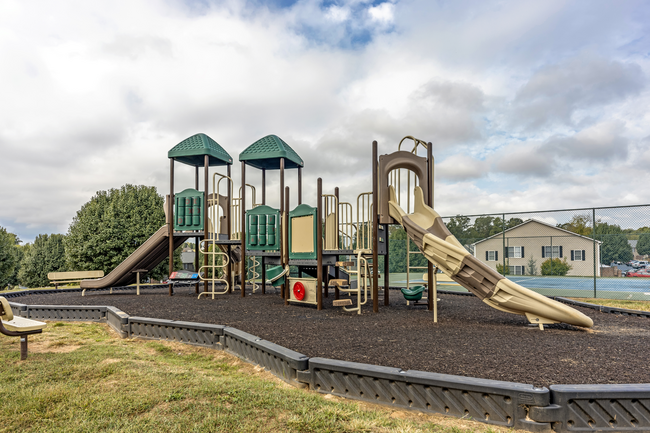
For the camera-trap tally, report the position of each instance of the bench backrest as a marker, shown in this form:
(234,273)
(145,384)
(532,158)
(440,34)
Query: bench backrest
(74,275)
(6,314)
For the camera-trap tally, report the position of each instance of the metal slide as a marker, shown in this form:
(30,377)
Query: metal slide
(440,247)
(147,256)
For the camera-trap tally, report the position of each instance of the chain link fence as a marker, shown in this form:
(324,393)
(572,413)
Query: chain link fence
(586,253)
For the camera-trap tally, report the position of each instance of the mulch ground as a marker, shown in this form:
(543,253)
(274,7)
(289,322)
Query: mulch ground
(470,338)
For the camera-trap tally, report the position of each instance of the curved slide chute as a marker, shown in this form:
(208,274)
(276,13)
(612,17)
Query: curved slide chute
(440,247)
(148,255)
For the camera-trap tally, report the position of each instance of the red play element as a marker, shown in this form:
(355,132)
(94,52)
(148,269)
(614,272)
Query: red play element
(299,291)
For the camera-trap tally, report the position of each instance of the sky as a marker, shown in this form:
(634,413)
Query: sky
(529,105)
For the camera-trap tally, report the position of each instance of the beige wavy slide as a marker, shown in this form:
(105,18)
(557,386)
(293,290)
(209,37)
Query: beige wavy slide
(442,249)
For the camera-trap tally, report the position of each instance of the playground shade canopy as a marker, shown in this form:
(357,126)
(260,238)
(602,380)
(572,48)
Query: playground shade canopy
(192,151)
(266,152)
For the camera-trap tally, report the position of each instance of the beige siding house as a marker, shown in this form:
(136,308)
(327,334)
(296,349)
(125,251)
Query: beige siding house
(539,241)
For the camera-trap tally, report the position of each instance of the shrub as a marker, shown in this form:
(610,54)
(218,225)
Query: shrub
(556,267)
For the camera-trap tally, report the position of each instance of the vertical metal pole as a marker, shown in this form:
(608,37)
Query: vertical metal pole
(337,270)
(23,347)
(242,267)
(299,185)
(206,226)
(170,228)
(229,186)
(283,247)
(431,280)
(285,240)
(319,245)
(593,219)
(375,229)
(386,279)
(196,239)
(503,235)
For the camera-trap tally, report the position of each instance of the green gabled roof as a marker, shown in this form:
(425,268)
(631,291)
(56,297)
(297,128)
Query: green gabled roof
(192,151)
(266,153)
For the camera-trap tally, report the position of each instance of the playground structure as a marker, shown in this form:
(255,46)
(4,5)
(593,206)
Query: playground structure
(326,244)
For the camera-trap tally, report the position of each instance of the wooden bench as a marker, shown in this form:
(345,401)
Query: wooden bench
(16,326)
(57,278)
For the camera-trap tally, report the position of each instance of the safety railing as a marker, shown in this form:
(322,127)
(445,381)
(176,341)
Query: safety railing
(364,222)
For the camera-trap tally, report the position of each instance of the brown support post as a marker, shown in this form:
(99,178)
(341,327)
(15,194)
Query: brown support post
(430,282)
(285,240)
(319,246)
(375,228)
(170,228)
(206,184)
(196,239)
(282,228)
(386,279)
(263,186)
(337,270)
(229,225)
(242,268)
(299,185)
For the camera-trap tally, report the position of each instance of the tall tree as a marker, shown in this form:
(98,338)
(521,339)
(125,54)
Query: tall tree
(112,225)
(580,224)
(615,246)
(9,258)
(643,244)
(45,255)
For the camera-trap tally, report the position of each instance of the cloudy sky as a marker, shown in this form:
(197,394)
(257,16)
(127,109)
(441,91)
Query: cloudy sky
(530,105)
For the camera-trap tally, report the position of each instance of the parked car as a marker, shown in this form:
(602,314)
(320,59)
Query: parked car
(638,273)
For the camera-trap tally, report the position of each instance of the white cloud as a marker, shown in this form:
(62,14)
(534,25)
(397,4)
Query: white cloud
(522,115)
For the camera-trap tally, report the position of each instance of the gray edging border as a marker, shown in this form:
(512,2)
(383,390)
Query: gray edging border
(562,408)
(602,308)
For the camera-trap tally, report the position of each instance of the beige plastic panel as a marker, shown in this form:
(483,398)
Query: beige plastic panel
(331,241)
(310,290)
(302,234)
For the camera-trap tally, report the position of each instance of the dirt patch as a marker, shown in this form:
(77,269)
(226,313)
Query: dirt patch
(49,347)
(470,338)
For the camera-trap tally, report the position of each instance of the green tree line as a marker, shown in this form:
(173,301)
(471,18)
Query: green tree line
(104,232)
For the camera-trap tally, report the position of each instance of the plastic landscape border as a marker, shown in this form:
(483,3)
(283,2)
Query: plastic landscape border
(559,408)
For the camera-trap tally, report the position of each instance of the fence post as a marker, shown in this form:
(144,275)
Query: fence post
(593,231)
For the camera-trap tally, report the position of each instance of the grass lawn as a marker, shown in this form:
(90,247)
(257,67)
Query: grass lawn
(81,377)
(617,303)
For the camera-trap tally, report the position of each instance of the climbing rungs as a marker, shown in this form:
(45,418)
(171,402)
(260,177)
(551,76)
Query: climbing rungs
(337,283)
(344,263)
(342,302)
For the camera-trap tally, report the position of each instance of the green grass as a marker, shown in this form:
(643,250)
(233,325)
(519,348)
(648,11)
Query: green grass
(617,303)
(80,377)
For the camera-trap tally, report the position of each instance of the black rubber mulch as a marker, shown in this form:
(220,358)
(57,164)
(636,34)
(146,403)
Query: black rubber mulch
(470,338)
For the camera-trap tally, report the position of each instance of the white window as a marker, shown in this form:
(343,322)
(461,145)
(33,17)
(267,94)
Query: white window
(578,255)
(516,270)
(491,256)
(556,252)
(515,252)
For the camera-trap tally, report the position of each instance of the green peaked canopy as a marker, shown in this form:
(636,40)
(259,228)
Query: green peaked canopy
(266,153)
(192,151)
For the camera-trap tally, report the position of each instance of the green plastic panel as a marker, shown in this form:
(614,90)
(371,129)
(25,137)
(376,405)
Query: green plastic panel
(188,210)
(192,151)
(267,151)
(263,229)
(301,211)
